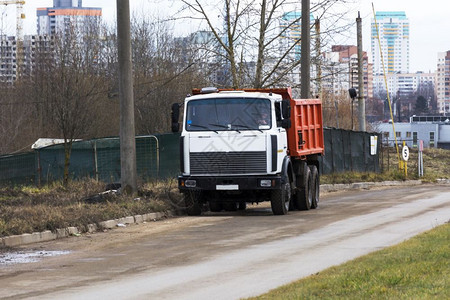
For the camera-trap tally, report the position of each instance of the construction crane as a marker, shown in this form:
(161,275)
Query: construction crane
(19,31)
(20,15)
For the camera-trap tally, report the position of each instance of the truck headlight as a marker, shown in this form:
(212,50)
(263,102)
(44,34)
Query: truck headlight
(265,183)
(190,183)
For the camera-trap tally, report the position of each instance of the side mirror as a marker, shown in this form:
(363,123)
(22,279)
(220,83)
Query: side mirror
(175,117)
(286,123)
(286,109)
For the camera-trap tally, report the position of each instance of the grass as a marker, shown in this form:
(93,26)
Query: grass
(350,177)
(416,269)
(436,165)
(31,209)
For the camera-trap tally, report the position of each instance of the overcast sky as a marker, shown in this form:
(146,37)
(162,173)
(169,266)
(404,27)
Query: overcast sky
(429,22)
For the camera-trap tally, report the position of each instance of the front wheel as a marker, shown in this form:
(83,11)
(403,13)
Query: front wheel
(192,203)
(279,199)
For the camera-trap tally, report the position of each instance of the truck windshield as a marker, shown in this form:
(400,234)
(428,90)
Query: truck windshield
(225,114)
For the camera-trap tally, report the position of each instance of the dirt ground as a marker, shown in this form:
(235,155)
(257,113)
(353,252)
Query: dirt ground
(153,258)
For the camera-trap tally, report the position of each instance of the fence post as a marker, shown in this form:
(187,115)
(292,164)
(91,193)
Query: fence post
(39,168)
(365,152)
(351,151)
(95,161)
(332,150)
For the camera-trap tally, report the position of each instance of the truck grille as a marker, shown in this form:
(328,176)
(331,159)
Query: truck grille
(228,162)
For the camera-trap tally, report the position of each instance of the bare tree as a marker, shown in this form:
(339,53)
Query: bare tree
(16,118)
(339,110)
(164,71)
(69,87)
(230,36)
(252,32)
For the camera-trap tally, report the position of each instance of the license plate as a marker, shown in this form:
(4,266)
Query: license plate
(227,187)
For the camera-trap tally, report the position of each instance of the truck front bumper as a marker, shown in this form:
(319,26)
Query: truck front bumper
(229,183)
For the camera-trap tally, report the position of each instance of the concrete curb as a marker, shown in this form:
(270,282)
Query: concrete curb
(443,181)
(365,185)
(45,236)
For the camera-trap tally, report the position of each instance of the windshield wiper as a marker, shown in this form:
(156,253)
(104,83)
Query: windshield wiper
(220,125)
(204,127)
(244,126)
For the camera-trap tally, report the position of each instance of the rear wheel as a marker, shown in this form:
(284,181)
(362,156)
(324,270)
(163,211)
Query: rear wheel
(242,205)
(215,206)
(279,199)
(230,206)
(303,197)
(315,186)
(192,203)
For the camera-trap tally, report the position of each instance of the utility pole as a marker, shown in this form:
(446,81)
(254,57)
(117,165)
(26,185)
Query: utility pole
(319,60)
(305,51)
(128,173)
(361,103)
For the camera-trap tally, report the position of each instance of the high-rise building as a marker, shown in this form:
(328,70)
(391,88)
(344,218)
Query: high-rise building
(443,82)
(34,48)
(66,14)
(393,30)
(8,60)
(291,32)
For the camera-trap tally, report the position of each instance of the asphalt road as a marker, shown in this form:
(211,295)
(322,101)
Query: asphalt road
(225,255)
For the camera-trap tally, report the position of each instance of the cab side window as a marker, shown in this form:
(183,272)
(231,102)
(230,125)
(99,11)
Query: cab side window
(278,113)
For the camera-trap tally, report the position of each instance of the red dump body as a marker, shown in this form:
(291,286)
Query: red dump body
(305,137)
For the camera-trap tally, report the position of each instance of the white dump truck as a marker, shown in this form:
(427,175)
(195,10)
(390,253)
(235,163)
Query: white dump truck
(248,146)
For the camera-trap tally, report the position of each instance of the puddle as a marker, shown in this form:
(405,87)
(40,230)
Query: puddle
(22,257)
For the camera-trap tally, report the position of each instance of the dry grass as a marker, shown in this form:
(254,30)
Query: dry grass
(29,209)
(436,165)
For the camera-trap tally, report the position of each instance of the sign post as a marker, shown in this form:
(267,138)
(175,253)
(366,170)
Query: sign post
(420,162)
(405,156)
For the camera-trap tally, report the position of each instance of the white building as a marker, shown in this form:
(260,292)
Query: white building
(443,82)
(434,131)
(340,70)
(402,84)
(393,30)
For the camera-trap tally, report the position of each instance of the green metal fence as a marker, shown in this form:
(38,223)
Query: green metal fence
(100,159)
(158,156)
(17,169)
(347,150)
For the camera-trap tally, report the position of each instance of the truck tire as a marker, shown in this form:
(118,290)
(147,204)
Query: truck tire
(279,199)
(303,196)
(315,186)
(230,206)
(215,206)
(192,203)
(242,205)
